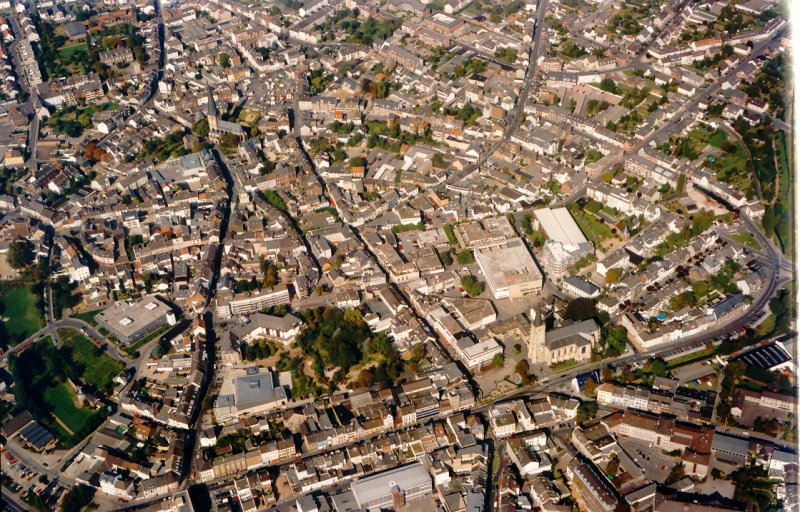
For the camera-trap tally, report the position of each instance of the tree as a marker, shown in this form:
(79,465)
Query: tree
(78,497)
(270,272)
(224,60)
(590,387)
(677,473)
(768,221)
(465,257)
(498,360)
(613,275)
(472,286)
(20,254)
(608,85)
(580,309)
(658,367)
(200,128)
(438,160)
(523,369)
(586,411)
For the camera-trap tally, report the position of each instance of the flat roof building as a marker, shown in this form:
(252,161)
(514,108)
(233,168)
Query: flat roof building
(393,489)
(509,269)
(565,242)
(132,322)
(248,392)
(559,226)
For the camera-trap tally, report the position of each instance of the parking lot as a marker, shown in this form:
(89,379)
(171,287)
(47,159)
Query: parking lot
(18,478)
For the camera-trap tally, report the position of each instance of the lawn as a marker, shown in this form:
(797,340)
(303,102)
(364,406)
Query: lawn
(147,339)
(593,229)
(99,368)
(66,51)
(62,399)
(747,239)
(692,357)
(767,326)
(564,365)
(717,138)
(89,316)
(41,376)
(21,319)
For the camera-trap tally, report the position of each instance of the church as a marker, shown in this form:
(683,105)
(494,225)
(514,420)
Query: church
(575,341)
(218,127)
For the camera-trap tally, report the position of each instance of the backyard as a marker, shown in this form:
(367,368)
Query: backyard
(594,229)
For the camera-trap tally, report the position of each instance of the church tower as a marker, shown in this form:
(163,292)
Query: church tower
(537,351)
(211,113)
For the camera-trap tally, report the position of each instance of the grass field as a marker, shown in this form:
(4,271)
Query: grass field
(747,239)
(99,368)
(594,230)
(691,357)
(69,50)
(564,365)
(147,339)
(20,316)
(62,399)
(89,316)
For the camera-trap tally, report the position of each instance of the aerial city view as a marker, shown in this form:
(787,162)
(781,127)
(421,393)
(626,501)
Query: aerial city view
(398,255)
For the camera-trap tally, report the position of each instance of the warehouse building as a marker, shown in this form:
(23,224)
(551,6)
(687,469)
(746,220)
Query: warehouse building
(565,243)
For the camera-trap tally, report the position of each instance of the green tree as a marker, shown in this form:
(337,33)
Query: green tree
(77,497)
(200,128)
(498,360)
(472,286)
(20,254)
(676,473)
(580,309)
(608,85)
(465,257)
(438,160)
(586,411)
(224,60)
(769,220)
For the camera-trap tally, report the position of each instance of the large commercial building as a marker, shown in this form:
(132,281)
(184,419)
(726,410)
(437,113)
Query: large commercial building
(131,322)
(248,392)
(565,242)
(393,489)
(247,303)
(509,269)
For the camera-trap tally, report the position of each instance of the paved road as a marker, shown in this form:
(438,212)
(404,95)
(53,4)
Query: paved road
(33,127)
(52,328)
(513,121)
(12,502)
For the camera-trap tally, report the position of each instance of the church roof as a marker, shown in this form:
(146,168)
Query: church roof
(579,333)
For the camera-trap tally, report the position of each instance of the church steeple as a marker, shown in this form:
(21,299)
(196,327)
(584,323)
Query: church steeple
(537,321)
(211,107)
